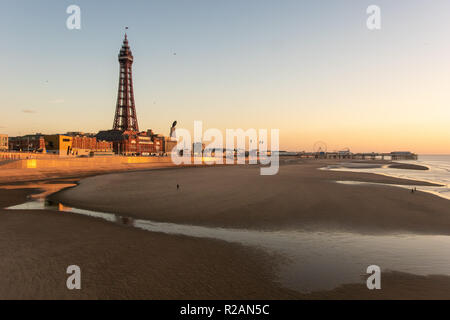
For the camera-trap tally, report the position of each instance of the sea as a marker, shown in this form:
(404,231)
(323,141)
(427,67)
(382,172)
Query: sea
(438,173)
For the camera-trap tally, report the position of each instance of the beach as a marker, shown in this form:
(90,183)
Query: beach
(300,196)
(123,263)
(119,261)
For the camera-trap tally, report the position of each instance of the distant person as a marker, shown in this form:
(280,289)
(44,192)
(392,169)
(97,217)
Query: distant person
(178,186)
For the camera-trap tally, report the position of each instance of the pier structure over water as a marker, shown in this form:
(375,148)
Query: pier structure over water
(340,155)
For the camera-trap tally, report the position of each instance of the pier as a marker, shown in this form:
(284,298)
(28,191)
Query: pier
(346,155)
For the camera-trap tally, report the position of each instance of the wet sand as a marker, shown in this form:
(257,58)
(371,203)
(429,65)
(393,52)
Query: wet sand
(395,286)
(299,197)
(119,262)
(407,166)
(125,263)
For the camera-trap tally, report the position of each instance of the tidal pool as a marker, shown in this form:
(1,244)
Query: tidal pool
(312,261)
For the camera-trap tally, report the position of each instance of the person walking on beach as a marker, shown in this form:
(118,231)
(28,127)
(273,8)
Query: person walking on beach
(178,186)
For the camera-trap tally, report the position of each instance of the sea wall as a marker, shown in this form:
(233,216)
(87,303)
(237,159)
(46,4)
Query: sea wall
(87,163)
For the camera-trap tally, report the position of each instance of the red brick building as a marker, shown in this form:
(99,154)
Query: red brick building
(83,142)
(31,143)
(128,142)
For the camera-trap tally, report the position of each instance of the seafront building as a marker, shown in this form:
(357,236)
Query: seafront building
(3,142)
(28,143)
(76,144)
(60,144)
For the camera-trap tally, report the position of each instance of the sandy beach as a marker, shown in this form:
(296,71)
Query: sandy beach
(122,262)
(300,196)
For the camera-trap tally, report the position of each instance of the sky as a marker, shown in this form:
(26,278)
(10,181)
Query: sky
(311,69)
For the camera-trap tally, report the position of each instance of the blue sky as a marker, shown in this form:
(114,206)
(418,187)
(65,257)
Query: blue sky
(310,68)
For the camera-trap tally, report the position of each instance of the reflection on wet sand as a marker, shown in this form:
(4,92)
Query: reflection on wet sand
(315,260)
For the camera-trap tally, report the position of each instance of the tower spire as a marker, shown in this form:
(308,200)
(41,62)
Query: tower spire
(125,118)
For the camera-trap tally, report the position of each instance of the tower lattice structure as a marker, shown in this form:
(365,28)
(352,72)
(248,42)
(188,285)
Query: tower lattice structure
(125,118)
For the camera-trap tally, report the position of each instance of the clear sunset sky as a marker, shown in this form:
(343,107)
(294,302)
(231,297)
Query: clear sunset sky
(309,68)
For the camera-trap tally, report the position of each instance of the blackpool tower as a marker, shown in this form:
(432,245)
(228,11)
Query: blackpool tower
(125,118)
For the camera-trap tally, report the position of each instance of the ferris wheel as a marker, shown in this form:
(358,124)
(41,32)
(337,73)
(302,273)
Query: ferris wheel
(320,147)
